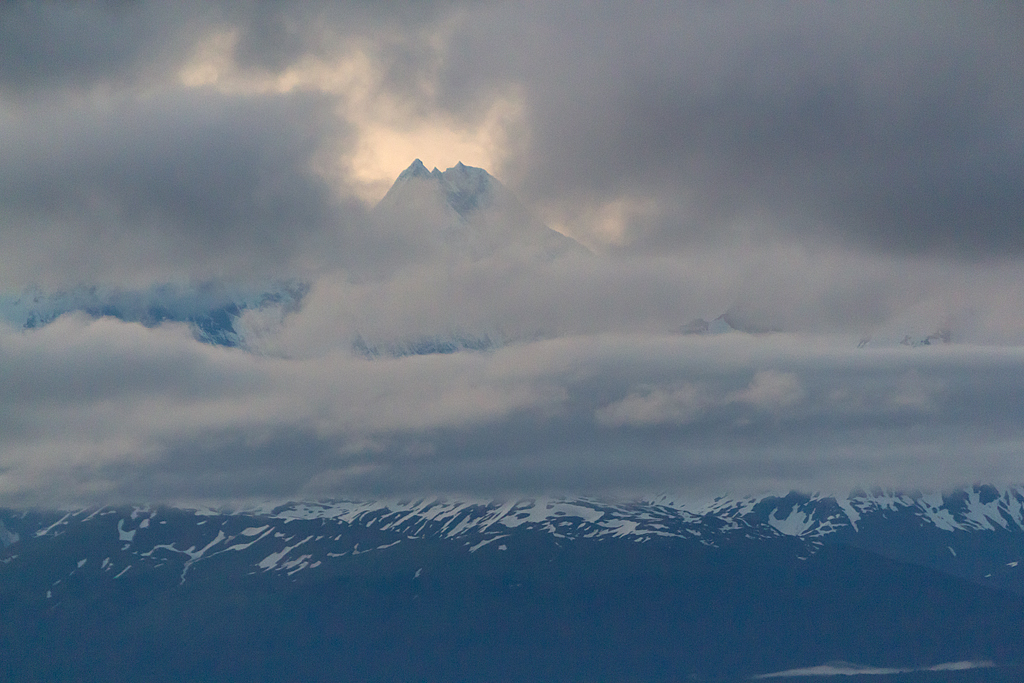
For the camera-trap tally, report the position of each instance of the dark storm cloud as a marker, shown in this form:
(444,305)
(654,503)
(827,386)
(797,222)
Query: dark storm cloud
(44,46)
(53,45)
(891,125)
(273,35)
(190,180)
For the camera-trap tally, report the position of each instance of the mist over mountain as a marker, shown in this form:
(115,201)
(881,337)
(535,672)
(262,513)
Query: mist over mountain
(530,364)
(451,261)
(465,212)
(211,309)
(460,215)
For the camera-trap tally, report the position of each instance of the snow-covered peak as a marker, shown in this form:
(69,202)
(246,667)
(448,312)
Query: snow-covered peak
(462,212)
(464,189)
(467,188)
(416,170)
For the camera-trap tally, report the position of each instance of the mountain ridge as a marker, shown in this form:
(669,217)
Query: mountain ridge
(543,589)
(878,521)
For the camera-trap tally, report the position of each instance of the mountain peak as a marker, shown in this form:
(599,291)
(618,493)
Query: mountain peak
(467,210)
(416,170)
(465,188)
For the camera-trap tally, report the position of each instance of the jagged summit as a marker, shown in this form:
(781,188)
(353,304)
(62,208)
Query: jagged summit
(416,170)
(458,216)
(466,188)
(464,211)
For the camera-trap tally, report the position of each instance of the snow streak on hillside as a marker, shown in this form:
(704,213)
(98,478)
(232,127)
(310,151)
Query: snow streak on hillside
(296,536)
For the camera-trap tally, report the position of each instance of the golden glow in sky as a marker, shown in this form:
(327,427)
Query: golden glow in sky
(386,130)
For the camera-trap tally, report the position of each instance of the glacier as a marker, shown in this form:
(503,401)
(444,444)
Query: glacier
(212,309)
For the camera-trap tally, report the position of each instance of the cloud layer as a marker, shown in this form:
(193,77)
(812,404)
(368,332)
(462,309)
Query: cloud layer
(839,173)
(104,410)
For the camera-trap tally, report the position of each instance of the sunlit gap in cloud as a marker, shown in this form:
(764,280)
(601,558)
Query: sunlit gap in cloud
(389,127)
(602,224)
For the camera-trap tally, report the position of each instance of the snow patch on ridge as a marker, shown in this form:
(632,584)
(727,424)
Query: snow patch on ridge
(796,524)
(845,669)
(805,516)
(122,534)
(272,532)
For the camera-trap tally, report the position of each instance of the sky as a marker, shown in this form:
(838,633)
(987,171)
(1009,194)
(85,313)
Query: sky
(832,176)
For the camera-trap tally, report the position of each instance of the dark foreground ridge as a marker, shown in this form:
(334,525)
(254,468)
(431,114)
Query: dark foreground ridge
(567,590)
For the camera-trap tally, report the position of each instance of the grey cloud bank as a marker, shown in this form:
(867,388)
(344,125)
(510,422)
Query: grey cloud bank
(105,410)
(889,127)
(219,184)
(839,172)
(882,127)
